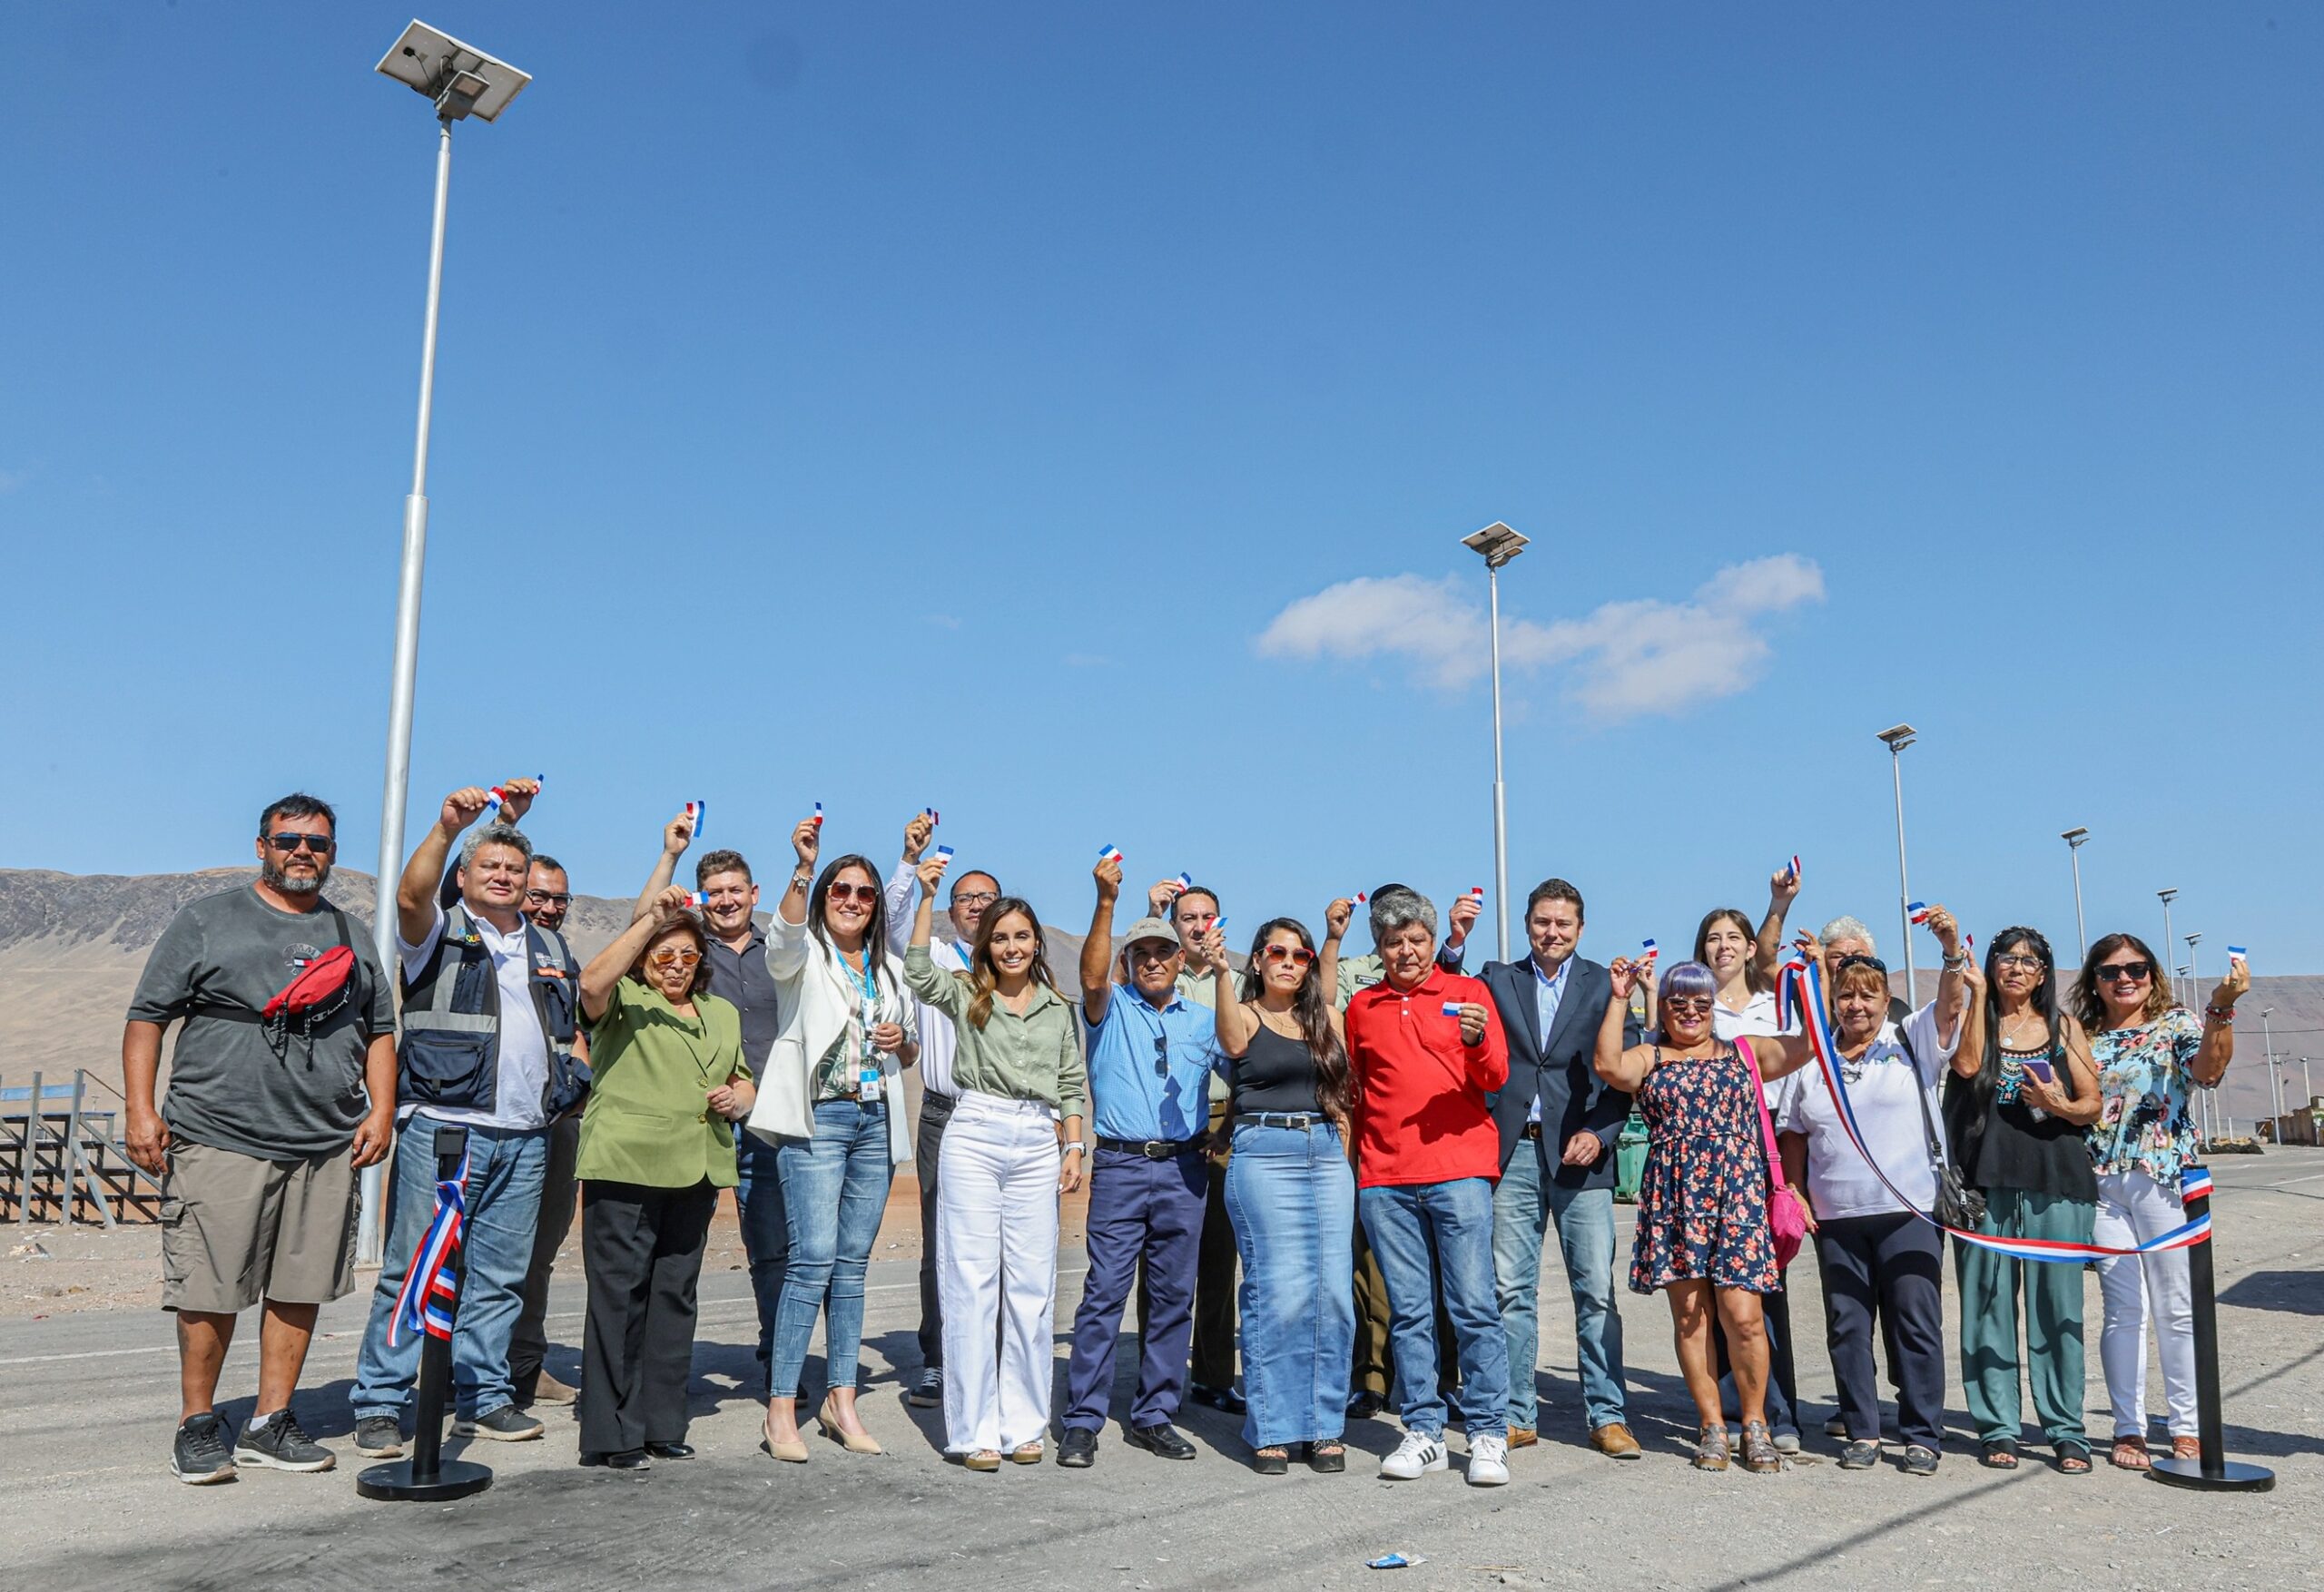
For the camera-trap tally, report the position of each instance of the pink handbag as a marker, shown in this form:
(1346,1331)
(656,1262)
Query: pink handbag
(1787,1221)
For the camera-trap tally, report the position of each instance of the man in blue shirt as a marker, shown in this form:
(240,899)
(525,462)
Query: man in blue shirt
(1151,1056)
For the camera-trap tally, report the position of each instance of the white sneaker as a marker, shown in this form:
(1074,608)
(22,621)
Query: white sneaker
(1416,1457)
(1487,1460)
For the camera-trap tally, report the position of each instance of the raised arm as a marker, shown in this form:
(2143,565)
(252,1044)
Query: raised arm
(1327,959)
(1236,1023)
(2211,1061)
(899,891)
(416,908)
(936,985)
(676,836)
(1969,1053)
(1097,946)
(605,968)
(1767,946)
(1949,982)
(1621,1067)
(806,844)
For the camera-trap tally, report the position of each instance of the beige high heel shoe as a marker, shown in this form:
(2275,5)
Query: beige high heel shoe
(853,1442)
(793,1452)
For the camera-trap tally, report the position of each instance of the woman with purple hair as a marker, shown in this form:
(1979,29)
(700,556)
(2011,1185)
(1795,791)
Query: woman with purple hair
(1703,1234)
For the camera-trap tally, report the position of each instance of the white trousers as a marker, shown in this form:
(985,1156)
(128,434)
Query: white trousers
(995,1254)
(2133,1208)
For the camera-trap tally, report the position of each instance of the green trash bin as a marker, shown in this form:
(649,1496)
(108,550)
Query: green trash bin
(1629,1160)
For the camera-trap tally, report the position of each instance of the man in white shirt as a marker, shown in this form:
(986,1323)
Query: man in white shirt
(488,1036)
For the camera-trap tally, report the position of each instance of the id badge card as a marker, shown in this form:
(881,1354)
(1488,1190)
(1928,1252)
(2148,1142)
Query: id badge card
(868,1083)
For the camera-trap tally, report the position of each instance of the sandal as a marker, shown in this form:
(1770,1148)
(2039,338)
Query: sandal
(983,1459)
(2074,1458)
(2130,1454)
(1712,1450)
(2187,1447)
(2000,1454)
(1760,1454)
(1328,1458)
(1028,1454)
(1272,1461)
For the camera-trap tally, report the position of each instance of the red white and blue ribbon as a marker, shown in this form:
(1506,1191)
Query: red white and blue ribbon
(944,854)
(1648,950)
(819,815)
(931,815)
(697,898)
(1799,988)
(2235,954)
(1186,881)
(426,1303)
(496,795)
(697,811)
(1477,891)
(1452,1009)
(1917,911)
(1110,852)
(1792,873)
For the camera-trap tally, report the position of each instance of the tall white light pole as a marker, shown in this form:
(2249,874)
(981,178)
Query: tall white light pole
(2167,897)
(1897,737)
(1498,545)
(2074,838)
(2194,993)
(2275,1078)
(459,80)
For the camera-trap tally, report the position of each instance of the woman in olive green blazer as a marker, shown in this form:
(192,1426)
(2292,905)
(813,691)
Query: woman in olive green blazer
(658,1144)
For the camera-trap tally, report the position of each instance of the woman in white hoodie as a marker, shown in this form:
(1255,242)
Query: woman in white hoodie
(831,1102)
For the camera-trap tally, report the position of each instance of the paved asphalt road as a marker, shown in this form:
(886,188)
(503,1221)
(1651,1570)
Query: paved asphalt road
(88,1402)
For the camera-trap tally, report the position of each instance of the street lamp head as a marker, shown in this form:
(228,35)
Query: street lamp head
(2168,896)
(1497,542)
(1899,736)
(460,79)
(2075,837)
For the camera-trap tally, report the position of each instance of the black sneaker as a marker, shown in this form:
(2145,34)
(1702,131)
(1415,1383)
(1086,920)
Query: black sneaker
(1076,1449)
(507,1424)
(928,1392)
(200,1457)
(1226,1400)
(1862,1454)
(378,1437)
(280,1443)
(1162,1439)
(1920,1459)
(1365,1406)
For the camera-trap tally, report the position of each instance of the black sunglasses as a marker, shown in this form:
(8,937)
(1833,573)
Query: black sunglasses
(1161,1055)
(1858,959)
(2137,972)
(320,845)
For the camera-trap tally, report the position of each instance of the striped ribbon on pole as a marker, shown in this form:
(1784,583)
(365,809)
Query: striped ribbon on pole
(1799,990)
(425,1305)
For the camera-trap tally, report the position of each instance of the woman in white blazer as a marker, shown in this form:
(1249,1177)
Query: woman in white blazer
(832,1103)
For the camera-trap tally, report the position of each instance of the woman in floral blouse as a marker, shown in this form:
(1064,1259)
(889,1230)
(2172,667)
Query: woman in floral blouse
(2150,1052)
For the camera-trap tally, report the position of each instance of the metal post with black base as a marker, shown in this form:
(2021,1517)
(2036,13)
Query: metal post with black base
(2214,1471)
(428,1477)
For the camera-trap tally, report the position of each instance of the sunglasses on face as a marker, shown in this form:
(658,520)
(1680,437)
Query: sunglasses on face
(320,845)
(673,959)
(1688,1003)
(1298,956)
(2116,972)
(864,893)
(548,898)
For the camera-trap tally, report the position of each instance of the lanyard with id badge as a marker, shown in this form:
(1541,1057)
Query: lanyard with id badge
(867,989)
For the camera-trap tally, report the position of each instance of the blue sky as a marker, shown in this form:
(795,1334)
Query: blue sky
(1068,415)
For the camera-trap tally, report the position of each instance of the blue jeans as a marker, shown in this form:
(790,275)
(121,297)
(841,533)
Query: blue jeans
(503,1195)
(766,1235)
(1292,1199)
(1522,1209)
(835,1191)
(1423,1233)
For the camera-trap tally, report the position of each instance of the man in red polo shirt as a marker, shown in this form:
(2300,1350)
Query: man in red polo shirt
(1426,1049)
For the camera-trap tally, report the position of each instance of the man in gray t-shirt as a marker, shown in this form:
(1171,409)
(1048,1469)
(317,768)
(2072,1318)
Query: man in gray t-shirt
(266,1122)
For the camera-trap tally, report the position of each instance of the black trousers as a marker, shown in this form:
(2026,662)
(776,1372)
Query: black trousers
(1894,1265)
(529,1343)
(642,1248)
(1215,1266)
(935,1111)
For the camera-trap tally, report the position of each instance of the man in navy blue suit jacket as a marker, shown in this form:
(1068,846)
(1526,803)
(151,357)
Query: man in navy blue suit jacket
(1558,1124)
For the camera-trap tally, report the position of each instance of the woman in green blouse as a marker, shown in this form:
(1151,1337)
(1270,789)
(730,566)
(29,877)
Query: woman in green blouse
(1019,1071)
(658,1144)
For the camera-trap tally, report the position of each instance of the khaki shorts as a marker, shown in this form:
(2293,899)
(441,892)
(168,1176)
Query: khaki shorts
(236,1229)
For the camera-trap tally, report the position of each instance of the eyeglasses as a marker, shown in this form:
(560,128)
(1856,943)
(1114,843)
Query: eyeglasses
(865,893)
(673,959)
(2019,959)
(320,845)
(1298,954)
(1688,1003)
(2116,972)
(976,899)
(548,898)
(1161,1055)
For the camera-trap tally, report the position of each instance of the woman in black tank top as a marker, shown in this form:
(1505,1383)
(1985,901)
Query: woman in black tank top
(1290,1194)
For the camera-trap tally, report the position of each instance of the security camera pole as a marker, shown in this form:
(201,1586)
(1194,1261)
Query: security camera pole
(460,82)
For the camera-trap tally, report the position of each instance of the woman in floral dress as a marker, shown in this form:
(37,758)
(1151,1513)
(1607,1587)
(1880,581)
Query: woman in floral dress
(2150,1053)
(1703,1237)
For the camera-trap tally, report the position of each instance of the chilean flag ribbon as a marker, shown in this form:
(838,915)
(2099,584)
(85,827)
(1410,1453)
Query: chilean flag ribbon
(1799,988)
(426,1303)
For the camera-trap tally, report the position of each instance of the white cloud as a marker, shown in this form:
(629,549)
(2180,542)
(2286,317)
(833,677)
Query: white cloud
(1637,656)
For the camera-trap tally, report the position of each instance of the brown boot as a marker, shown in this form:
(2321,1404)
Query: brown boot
(548,1390)
(1614,1440)
(1523,1436)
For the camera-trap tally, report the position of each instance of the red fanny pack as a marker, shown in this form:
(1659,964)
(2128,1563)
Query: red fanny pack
(320,982)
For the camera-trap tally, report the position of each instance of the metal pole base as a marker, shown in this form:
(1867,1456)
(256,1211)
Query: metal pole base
(2233,1476)
(454,1478)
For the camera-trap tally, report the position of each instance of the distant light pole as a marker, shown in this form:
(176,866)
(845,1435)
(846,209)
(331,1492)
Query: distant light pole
(2307,1089)
(2074,838)
(2275,1078)
(2168,896)
(1497,544)
(1897,737)
(460,80)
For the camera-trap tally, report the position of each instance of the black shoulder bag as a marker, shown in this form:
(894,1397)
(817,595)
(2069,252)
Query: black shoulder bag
(1957,1204)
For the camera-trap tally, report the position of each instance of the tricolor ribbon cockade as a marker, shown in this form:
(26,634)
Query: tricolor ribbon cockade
(1799,992)
(496,795)
(1110,852)
(697,811)
(426,1303)
(1917,911)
